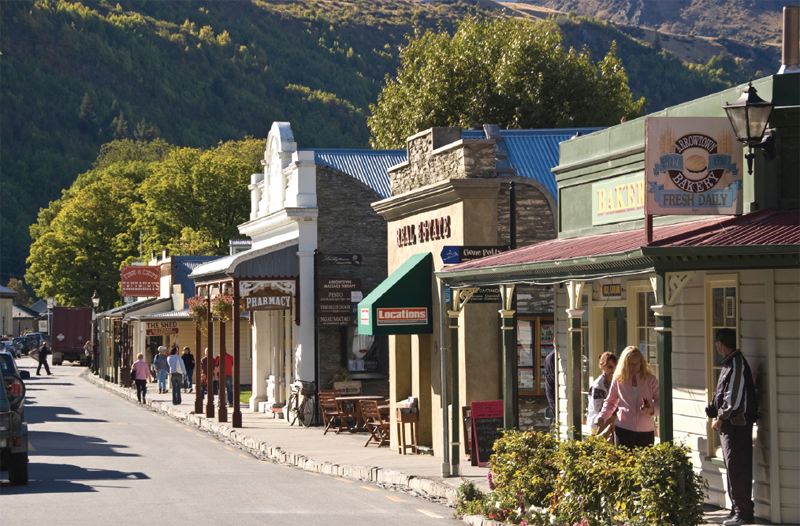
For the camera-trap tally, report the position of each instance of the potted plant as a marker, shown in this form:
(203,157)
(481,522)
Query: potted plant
(198,311)
(344,383)
(222,306)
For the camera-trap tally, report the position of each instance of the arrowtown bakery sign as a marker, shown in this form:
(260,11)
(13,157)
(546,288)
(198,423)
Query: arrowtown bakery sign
(424,231)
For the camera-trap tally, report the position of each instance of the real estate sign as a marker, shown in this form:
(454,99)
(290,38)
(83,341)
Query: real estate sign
(693,166)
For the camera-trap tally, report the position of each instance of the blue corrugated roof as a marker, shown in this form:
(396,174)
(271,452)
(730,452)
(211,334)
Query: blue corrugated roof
(184,265)
(533,153)
(368,166)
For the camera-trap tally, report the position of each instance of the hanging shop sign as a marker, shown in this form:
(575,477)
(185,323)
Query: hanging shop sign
(160,328)
(424,231)
(340,259)
(336,305)
(266,294)
(141,281)
(693,166)
(618,199)
(452,255)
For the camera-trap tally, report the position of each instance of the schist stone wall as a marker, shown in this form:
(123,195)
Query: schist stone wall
(439,154)
(347,224)
(535,223)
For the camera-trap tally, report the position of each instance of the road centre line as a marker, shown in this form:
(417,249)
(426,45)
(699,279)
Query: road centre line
(201,436)
(313,474)
(371,489)
(394,498)
(245,456)
(229,448)
(344,480)
(430,514)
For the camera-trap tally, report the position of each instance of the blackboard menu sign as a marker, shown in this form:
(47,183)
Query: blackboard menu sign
(487,426)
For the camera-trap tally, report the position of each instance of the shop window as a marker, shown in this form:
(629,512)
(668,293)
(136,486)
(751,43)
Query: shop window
(645,334)
(722,312)
(535,340)
(364,356)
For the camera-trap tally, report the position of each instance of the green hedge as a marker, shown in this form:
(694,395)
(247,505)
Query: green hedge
(538,480)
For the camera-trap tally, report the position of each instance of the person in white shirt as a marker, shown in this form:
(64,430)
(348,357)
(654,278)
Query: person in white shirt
(176,372)
(598,393)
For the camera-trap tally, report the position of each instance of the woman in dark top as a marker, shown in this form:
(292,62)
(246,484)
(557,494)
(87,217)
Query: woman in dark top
(188,362)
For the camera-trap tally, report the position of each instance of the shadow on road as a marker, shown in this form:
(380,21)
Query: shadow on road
(43,414)
(63,478)
(56,444)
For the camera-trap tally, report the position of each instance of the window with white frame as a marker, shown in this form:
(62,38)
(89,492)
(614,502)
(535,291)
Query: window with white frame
(645,325)
(722,312)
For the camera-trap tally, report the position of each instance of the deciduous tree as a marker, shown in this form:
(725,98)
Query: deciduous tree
(508,72)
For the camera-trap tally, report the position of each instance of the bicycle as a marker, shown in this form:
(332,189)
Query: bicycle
(300,405)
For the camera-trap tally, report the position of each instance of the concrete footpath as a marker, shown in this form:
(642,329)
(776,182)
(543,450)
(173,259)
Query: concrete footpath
(342,455)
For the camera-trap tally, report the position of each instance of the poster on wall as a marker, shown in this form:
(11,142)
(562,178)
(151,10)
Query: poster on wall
(693,166)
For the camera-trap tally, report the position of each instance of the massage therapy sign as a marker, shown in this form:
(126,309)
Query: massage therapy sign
(693,166)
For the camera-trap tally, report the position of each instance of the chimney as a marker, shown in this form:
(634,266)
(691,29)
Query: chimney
(790,57)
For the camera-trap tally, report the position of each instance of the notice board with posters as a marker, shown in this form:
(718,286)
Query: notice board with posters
(487,427)
(693,166)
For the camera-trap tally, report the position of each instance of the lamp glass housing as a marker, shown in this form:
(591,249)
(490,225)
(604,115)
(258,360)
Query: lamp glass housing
(749,116)
(95,300)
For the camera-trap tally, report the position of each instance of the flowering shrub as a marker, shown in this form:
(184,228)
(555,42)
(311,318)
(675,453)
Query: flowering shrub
(222,306)
(198,310)
(537,480)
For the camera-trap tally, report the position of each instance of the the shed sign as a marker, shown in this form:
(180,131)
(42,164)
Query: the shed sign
(693,166)
(402,316)
(160,328)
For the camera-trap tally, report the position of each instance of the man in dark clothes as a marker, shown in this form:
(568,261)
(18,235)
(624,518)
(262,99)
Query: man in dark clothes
(734,410)
(44,351)
(550,380)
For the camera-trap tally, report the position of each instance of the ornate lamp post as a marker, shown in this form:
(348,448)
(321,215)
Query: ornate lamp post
(749,116)
(95,305)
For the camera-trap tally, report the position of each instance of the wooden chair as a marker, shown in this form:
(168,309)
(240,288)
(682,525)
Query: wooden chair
(330,411)
(377,426)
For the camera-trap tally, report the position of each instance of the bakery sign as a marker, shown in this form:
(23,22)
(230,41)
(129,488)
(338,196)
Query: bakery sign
(141,281)
(693,166)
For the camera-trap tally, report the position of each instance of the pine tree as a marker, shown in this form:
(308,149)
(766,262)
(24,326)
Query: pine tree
(86,115)
(120,127)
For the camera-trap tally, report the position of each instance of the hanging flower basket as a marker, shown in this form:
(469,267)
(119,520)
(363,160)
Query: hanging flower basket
(222,306)
(198,311)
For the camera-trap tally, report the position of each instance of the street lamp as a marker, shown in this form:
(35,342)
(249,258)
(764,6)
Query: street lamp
(95,355)
(749,116)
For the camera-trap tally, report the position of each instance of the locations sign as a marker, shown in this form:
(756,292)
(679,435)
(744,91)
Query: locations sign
(693,166)
(141,281)
(400,316)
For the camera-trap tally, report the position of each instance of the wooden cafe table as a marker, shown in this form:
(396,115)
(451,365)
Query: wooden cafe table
(356,401)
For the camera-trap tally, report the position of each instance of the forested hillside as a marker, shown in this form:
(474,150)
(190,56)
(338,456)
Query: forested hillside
(75,77)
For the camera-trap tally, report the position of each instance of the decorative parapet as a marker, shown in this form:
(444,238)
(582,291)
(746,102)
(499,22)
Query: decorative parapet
(439,154)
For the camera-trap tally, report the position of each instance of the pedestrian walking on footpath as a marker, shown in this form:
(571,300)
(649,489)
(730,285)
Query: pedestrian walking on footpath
(141,375)
(203,377)
(228,375)
(634,391)
(44,351)
(188,362)
(598,393)
(734,410)
(87,350)
(176,373)
(161,366)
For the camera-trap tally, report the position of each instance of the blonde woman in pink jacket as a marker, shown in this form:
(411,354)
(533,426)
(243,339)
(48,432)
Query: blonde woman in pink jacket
(634,390)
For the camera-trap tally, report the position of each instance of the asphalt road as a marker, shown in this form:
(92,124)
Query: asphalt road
(97,459)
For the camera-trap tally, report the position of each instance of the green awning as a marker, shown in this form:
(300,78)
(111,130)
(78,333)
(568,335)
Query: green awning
(402,304)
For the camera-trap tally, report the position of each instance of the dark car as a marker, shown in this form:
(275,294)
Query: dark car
(13,429)
(21,344)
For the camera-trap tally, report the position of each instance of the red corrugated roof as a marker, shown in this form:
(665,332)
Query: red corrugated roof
(767,227)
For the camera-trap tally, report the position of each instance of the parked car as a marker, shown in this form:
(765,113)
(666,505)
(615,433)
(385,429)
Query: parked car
(13,428)
(21,344)
(8,346)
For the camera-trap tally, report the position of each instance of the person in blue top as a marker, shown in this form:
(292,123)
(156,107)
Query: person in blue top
(162,368)
(177,370)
